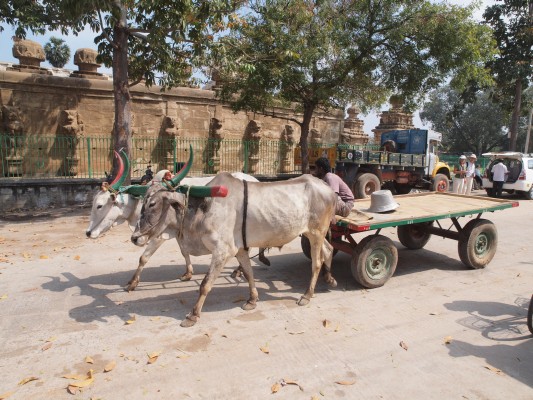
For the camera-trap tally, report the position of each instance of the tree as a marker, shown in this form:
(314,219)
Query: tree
(57,52)
(138,39)
(325,54)
(512,23)
(477,126)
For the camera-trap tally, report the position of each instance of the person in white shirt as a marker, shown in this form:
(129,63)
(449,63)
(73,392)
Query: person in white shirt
(459,179)
(499,175)
(470,174)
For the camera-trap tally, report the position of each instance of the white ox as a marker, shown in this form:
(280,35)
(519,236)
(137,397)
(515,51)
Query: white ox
(110,209)
(277,212)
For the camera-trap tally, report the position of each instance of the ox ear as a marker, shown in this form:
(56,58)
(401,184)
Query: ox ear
(177,201)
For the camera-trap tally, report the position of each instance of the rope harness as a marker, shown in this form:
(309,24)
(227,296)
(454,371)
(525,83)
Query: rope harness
(245,212)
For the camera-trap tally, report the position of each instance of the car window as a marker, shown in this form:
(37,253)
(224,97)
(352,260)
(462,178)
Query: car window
(530,164)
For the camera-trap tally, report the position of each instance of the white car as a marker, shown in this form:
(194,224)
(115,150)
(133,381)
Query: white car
(520,177)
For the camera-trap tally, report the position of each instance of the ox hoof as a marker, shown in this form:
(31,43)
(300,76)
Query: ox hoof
(189,321)
(303,301)
(237,273)
(248,306)
(332,283)
(130,287)
(264,260)
(186,277)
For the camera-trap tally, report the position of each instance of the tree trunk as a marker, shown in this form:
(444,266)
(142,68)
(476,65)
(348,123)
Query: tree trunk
(304,127)
(122,124)
(516,115)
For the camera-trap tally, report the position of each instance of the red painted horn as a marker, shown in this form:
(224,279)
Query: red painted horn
(184,171)
(123,170)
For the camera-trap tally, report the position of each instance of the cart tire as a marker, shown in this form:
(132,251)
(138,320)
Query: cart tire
(306,247)
(365,185)
(374,261)
(440,183)
(530,316)
(414,236)
(478,242)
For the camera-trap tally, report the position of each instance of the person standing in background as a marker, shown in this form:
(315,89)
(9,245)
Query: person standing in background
(470,174)
(459,179)
(499,175)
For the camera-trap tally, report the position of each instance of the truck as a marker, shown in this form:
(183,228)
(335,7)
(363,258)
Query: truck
(406,159)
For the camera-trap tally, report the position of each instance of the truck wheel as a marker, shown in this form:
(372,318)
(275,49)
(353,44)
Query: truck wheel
(440,183)
(402,188)
(374,261)
(306,247)
(477,243)
(414,236)
(365,185)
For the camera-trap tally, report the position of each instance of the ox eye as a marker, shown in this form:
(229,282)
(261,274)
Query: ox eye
(99,207)
(152,203)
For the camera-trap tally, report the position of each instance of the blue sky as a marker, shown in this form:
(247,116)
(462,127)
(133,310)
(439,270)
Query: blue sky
(86,39)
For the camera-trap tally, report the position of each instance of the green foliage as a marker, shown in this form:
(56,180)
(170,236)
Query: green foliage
(477,126)
(57,52)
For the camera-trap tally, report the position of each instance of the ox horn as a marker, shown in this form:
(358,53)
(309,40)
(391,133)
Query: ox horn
(123,170)
(183,172)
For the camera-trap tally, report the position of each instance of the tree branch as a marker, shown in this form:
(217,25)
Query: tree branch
(113,44)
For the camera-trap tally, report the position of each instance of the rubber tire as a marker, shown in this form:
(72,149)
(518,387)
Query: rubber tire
(402,188)
(365,185)
(379,248)
(440,183)
(412,237)
(530,316)
(478,242)
(306,247)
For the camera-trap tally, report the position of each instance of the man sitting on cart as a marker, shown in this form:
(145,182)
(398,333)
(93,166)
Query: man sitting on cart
(345,198)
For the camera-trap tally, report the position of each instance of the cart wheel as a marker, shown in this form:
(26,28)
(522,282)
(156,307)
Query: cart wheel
(477,243)
(365,185)
(440,183)
(306,247)
(374,261)
(530,316)
(414,236)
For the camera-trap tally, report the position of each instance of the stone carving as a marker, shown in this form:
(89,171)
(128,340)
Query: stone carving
(285,148)
(216,136)
(85,59)
(252,137)
(13,127)
(30,55)
(170,134)
(353,133)
(315,137)
(71,129)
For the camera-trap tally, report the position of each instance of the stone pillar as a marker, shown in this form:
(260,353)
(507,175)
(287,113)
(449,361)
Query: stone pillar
(285,149)
(353,133)
(252,137)
(216,136)
(30,55)
(85,59)
(71,131)
(394,119)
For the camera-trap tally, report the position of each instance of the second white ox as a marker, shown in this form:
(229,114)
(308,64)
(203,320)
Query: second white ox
(110,209)
(253,214)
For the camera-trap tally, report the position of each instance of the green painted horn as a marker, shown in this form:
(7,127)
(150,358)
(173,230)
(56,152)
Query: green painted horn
(184,171)
(123,170)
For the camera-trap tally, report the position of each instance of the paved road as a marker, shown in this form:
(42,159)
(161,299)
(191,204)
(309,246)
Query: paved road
(463,331)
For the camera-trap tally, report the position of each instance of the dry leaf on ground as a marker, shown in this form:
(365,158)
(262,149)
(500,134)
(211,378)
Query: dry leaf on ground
(26,380)
(285,382)
(326,323)
(43,256)
(83,383)
(76,377)
(131,320)
(403,345)
(265,349)
(110,366)
(496,370)
(152,357)
(5,395)
(89,360)
(26,255)
(275,387)
(76,258)
(346,383)
(448,340)
(46,346)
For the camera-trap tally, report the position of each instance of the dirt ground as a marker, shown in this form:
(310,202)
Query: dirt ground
(436,330)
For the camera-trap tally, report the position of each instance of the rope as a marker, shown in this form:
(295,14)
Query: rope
(245,212)
(185,206)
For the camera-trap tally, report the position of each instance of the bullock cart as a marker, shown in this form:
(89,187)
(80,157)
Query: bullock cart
(419,216)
